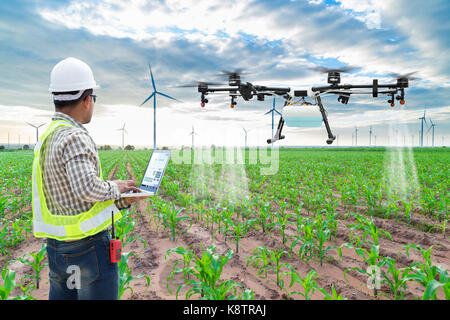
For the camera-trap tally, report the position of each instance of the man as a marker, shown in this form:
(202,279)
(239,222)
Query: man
(72,205)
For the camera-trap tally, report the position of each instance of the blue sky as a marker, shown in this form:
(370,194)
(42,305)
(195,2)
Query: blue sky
(277,42)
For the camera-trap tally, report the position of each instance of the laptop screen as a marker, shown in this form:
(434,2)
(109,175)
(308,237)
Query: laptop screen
(155,170)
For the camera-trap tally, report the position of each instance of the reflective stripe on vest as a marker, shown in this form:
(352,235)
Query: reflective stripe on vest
(62,227)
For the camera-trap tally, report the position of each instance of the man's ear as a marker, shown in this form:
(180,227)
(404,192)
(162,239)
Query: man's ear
(86,102)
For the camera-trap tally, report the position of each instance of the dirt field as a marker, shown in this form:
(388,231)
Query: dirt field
(152,260)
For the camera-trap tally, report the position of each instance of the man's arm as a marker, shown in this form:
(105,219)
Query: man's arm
(81,164)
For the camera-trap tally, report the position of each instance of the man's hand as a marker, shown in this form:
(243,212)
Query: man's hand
(130,200)
(126,185)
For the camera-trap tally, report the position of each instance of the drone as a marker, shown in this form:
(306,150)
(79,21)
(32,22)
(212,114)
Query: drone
(297,112)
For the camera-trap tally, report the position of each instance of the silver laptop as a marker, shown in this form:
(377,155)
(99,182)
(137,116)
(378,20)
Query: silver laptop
(153,175)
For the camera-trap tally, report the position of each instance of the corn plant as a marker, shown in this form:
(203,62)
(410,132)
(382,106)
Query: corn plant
(240,229)
(369,228)
(3,237)
(263,214)
(442,227)
(320,235)
(36,264)
(307,239)
(125,276)
(227,214)
(308,283)
(395,278)
(425,273)
(408,207)
(299,217)
(9,282)
(260,260)
(271,260)
(124,228)
(26,291)
(372,259)
(187,255)
(206,271)
(173,220)
(281,222)
(332,222)
(333,296)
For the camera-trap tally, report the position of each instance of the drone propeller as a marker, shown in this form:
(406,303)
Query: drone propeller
(328,70)
(236,72)
(398,76)
(334,74)
(195,84)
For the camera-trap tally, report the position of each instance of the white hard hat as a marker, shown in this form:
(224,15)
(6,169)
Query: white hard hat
(71,74)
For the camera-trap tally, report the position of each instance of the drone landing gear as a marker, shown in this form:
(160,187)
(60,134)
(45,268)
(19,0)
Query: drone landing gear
(331,137)
(277,135)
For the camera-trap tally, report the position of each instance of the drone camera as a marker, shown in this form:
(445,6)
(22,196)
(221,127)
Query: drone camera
(301,93)
(260,97)
(343,98)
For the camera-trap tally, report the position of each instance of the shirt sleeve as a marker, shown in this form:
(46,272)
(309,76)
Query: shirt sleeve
(80,159)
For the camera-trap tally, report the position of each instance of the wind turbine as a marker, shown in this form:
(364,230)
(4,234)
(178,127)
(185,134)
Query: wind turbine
(245,137)
(192,134)
(123,134)
(370,136)
(356,136)
(421,130)
(432,127)
(37,130)
(153,95)
(273,110)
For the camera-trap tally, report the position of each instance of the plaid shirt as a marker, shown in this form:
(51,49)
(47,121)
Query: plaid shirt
(70,167)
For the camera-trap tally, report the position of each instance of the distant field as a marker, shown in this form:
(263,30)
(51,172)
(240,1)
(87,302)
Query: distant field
(349,223)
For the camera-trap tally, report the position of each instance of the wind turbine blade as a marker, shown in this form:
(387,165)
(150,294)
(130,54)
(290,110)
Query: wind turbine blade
(151,74)
(268,112)
(147,98)
(165,95)
(41,125)
(277,111)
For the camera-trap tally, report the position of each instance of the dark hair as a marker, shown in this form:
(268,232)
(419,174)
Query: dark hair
(71,103)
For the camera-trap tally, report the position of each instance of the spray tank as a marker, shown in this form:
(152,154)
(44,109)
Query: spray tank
(305,116)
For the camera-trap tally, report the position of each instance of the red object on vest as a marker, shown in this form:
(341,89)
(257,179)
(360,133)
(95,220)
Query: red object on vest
(115,245)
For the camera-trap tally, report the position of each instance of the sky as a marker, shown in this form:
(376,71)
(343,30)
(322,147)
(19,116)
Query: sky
(276,42)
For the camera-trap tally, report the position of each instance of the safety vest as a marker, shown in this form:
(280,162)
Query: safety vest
(62,227)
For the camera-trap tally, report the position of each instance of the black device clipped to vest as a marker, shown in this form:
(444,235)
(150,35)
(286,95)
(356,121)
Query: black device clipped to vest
(115,245)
